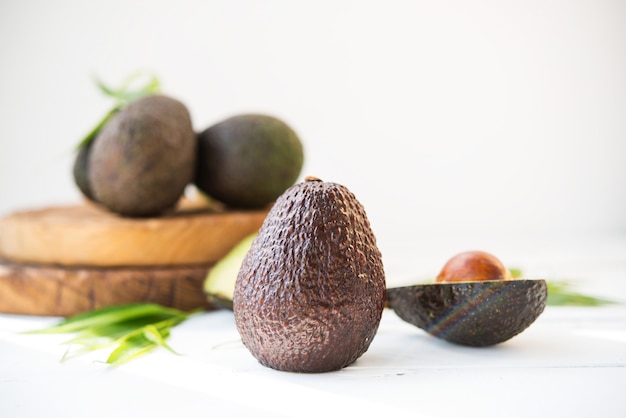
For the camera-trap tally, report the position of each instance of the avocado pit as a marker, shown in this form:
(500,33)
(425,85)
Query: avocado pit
(473,266)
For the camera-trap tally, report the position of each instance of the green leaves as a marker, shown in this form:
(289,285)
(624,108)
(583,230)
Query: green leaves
(560,293)
(129,330)
(122,95)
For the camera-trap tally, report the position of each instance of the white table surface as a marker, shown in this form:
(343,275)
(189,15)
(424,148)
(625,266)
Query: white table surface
(570,363)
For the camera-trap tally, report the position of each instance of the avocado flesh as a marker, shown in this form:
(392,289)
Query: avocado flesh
(474,314)
(219,284)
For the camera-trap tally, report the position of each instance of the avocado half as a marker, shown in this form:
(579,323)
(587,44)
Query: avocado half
(219,284)
(476,314)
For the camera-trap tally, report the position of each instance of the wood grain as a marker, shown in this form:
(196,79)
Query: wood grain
(64,291)
(86,235)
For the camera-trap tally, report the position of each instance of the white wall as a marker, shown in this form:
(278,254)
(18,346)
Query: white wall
(444,117)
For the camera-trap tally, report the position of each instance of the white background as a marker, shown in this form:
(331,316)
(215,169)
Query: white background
(494,124)
(445,118)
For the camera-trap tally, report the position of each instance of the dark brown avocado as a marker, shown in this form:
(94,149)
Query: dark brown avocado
(79,171)
(247,161)
(477,313)
(141,161)
(471,313)
(310,293)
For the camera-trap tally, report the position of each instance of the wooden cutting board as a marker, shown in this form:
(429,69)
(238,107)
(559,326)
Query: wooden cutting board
(65,291)
(86,235)
(65,260)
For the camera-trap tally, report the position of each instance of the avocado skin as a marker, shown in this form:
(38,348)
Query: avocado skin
(143,158)
(471,313)
(310,293)
(247,161)
(220,302)
(79,171)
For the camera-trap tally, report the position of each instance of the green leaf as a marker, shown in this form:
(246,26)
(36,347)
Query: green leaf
(94,132)
(131,330)
(108,91)
(131,349)
(142,342)
(559,294)
(107,316)
(150,332)
(116,331)
(122,95)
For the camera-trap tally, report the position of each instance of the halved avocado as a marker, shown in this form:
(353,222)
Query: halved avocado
(477,314)
(219,284)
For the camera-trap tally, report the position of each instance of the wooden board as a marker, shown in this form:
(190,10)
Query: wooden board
(86,235)
(65,291)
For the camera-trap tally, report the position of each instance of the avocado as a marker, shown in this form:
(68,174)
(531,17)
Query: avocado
(142,160)
(247,161)
(474,302)
(311,290)
(79,171)
(219,284)
(471,313)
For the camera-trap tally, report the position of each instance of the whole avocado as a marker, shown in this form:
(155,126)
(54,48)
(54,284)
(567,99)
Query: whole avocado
(311,290)
(80,169)
(143,158)
(247,161)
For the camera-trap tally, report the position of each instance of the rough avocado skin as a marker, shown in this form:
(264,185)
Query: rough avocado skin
(247,161)
(472,313)
(143,158)
(310,293)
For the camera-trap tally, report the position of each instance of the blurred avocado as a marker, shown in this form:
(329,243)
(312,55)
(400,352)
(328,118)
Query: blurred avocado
(219,284)
(79,171)
(141,161)
(247,161)
(311,289)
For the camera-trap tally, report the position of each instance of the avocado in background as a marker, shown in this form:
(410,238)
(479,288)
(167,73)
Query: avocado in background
(247,161)
(141,161)
(219,284)
(79,171)
(310,292)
